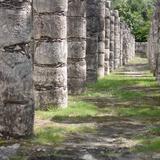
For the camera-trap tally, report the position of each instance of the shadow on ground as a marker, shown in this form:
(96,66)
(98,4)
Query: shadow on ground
(119,119)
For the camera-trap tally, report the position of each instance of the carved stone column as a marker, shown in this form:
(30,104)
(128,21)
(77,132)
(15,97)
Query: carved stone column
(76,46)
(50,53)
(101,38)
(16,94)
(112,42)
(107,35)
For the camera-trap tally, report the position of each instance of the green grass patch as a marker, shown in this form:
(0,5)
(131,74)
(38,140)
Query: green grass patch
(120,87)
(142,112)
(75,109)
(49,135)
(123,89)
(155,131)
(149,145)
(18,158)
(57,135)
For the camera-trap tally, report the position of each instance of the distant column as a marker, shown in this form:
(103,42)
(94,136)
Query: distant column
(76,46)
(92,41)
(111,58)
(107,35)
(101,38)
(121,42)
(116,40)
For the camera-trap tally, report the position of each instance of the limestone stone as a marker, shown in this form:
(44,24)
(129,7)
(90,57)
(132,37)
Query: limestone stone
(50,46)
(117,40)
(153,49)
(76,46)
(16,93)
(107,37)
(112,42)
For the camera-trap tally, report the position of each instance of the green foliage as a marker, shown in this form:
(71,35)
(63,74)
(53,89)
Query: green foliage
(137,14)
(149,144)
(143,112)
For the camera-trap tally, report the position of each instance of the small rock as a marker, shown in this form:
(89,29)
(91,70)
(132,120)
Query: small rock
(88,157)
(156,156)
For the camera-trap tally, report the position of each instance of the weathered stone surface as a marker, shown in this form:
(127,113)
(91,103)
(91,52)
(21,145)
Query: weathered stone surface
(101,39)
(15,23)
(76,27)
(92,40)
(50,53)
(16,94)
(8,151)
(77,49)
(121,42)
(117,40)
(54,6)
(50,60)
(153,49)
(49,78)
(107,37)
(112,48)
(77,69)
(76,46)
(95,39)
(50,25)
(44,97)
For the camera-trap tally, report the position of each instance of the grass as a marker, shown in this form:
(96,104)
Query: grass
(76,109)
(149,145)
(120,87)
(55,126)
(49,135)
(142,112)
(123,88)
(155,131)
(52,135)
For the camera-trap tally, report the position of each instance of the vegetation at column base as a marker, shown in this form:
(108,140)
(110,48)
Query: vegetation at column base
(137,14)
(117,97)
(127,90)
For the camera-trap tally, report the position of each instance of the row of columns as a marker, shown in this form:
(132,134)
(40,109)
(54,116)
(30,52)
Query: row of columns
(52,48)
(153,49)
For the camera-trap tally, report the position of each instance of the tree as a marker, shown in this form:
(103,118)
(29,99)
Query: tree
(137,14)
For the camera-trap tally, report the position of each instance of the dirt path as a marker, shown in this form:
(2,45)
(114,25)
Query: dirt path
(114,138)
(126,123)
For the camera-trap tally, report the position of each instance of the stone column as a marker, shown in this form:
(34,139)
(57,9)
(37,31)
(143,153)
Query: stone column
(101,38)
(111,58)
(158,41)
(125,45)
(16,94)
(150,49)
(76,46)
(92,41)
(121,42)
(50,53)
(117,40)
(107,35)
